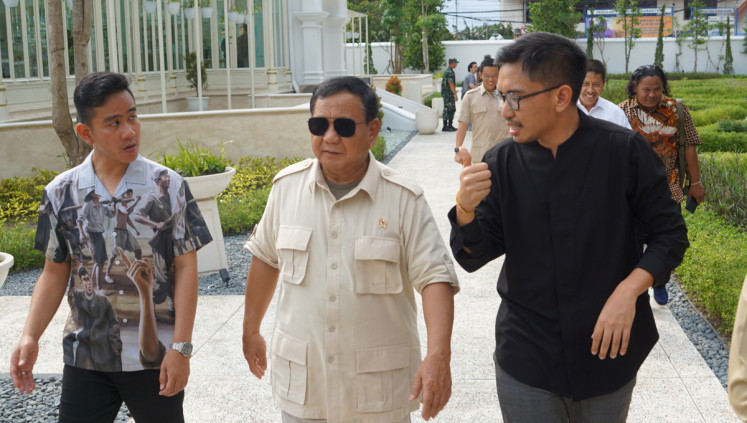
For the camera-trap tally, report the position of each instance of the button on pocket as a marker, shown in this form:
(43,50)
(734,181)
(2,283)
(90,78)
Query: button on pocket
(293,249)
(383,378)
(377,266)
(289,370)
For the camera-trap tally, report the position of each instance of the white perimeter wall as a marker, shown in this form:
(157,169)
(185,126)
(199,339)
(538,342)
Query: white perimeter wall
(613,55)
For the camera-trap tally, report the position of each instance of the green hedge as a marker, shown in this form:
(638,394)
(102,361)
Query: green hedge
(714,140)
(428,100)
(379,149)
(724,176)
(714,266)
(17,239)
(19,197)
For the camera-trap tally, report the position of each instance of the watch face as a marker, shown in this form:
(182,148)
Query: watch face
(186,348)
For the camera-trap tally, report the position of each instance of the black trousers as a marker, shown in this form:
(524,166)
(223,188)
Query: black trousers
(91,396)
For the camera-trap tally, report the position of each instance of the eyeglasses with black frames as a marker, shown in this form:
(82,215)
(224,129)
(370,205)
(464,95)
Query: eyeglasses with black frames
(344,127)
(513,99)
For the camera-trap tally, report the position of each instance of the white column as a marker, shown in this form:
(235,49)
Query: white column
(37,36)
(99,31)
(311,26)
(4,113)
(24,41)
(170,57)
(9,38)
(128,36)
(137,52)
(268,21)
(161,58)
(252,53)
(112,38)
(334,46)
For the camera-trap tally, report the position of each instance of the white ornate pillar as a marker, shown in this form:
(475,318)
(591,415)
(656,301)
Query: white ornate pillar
(312,24)
(334,46)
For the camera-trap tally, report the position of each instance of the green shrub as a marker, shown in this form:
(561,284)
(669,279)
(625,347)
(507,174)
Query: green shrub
(193,160)
(615,91)
(394,85)
(715,140)
(240,214)
(428,100)
(714,113)
(17,239)
(714,267)
(724,176)
(379,149)
(726,125)
(19,197)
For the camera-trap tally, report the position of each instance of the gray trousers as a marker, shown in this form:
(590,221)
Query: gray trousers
(523,403)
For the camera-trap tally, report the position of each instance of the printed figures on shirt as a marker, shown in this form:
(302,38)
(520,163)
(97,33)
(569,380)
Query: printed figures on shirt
(116,298)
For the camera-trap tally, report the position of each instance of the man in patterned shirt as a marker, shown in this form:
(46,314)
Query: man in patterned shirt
(135,366)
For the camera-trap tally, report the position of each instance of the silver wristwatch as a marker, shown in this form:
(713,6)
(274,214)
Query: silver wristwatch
(184,348)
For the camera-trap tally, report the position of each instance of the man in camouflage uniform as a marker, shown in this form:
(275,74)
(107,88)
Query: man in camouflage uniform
(448,92)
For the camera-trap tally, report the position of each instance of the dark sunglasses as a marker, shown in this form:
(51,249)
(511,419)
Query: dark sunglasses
(343,126)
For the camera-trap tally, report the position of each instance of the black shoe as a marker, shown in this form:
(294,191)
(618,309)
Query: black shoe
(451,128)
(448,129)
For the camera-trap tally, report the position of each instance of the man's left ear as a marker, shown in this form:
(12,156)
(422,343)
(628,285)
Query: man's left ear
(84,132)
(565,93)
(373,130)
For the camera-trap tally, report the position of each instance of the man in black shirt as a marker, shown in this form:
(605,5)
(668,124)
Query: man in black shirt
(570,200)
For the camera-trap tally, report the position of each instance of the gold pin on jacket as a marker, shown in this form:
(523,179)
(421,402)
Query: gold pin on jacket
(382,223)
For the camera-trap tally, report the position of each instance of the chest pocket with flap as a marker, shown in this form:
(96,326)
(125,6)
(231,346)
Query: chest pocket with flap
(377,269)
(293,249)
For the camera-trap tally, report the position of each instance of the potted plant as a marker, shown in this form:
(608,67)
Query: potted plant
(190,65)
(189,10)
(207,10)
(149,6)
(207,175)
(173,7)
(6,262)
(241,17)
(233,15)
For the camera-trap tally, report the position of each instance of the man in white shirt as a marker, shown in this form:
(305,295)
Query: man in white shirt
(591,101)
(349,242)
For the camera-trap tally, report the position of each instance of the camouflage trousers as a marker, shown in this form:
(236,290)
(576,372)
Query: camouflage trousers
(449,106)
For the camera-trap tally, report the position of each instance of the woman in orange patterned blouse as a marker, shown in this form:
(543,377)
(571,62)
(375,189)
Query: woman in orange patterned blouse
(653,114)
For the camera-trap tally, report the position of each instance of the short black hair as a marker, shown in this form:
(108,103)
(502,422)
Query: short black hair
(352,85)
(82,271)
(597,67)
(487,61)
(644,71)
(550,59)
(93,91)
(470,65)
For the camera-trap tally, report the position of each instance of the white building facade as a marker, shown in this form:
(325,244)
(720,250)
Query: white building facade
(290,45)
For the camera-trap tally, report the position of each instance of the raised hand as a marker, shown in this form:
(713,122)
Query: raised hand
(474,185)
